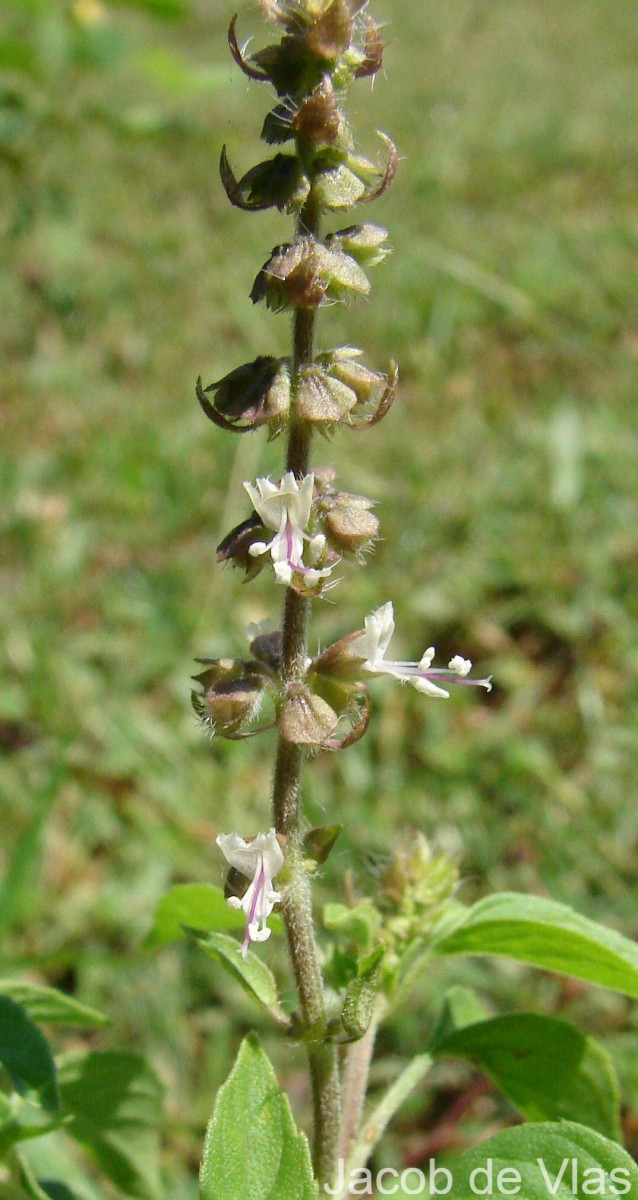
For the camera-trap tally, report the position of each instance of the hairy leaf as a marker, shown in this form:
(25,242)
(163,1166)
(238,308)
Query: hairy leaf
(565,1161)
(548,1069)
(251,973)
(253,1150)
(51,1006)
(545,934)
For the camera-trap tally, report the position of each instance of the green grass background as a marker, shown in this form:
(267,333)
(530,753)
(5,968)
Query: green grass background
(505,475)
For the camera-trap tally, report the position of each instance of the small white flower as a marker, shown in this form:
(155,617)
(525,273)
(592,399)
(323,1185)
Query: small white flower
(372,646)
(260,860)
(286,507)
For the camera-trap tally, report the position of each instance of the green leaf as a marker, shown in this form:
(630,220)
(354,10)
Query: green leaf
(623,1050)
(20,1120)
(460,1007)
(115,1102)
(56,1190)
(33,1187)
(51,1007)
(546,934)
(25,1055)
(360,923)
(253,1150)
(45,1162)
(565,1161)
(200,905)
(254,976)
(548,1069)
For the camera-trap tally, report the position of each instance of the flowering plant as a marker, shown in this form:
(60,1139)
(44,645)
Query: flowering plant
(303,527)
(374,950)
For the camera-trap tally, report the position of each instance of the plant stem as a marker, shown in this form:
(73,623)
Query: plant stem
(297,903)
(375,1126)
(358,1058)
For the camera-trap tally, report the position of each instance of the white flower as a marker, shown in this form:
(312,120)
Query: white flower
(372,645)
(260,860)
(286,507)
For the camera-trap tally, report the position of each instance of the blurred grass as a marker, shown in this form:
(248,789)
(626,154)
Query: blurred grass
(506,479)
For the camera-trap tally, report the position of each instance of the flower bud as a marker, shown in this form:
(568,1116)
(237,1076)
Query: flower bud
(343,179)
(375,392)
(255,394)
(348,522)
(323,26)
(363,242)
(330,34)
(290,277)
(416,880)
(342,364)
(322,399)
(320,36)
(319,119)
(305,273)
(344,278)
(324,479)
(336,185)
(306,719)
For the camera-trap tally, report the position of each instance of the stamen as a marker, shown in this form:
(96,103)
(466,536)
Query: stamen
(250,920)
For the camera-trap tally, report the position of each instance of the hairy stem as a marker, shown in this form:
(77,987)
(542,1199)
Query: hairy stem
(358,1058)
(297,905)
(375,1126)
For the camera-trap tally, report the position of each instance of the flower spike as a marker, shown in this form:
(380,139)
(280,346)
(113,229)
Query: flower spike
(260,860)
(371,646)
